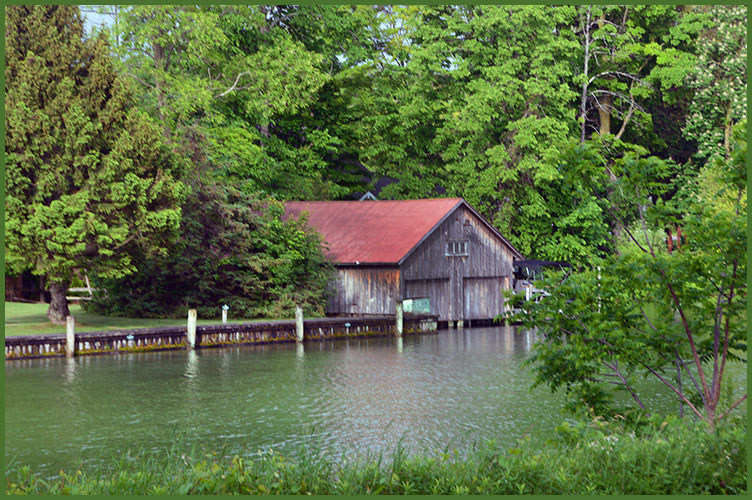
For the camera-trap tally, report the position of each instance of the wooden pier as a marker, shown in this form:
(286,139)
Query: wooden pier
(208,336)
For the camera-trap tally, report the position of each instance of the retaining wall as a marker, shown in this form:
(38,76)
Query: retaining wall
(175,337)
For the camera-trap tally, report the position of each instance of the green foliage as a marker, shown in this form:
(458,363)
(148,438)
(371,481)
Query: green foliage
(313,102)
(88,180)
(719,81)
(666,457)
(241,92)
(677,316)
(233,249)
(567,220)
(632,53)
(466,100)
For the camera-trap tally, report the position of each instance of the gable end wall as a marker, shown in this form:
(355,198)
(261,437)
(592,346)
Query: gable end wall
(460,288)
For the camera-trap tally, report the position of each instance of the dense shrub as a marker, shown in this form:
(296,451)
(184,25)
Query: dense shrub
(665,457)
(233,249)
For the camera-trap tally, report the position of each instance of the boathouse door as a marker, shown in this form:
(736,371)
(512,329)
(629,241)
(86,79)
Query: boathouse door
(484,297)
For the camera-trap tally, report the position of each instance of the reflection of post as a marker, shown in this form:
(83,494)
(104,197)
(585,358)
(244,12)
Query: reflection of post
(191,328)
(70,370)
(300,351)
(70,336)
(299,323)
(399,345)
(506,339)
(191,367)
(398,332)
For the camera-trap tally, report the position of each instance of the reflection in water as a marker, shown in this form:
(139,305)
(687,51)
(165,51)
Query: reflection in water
(453,389)
(70,370)
(191,364)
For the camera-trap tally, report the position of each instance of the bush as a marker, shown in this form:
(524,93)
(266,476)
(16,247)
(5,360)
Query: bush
(233,249)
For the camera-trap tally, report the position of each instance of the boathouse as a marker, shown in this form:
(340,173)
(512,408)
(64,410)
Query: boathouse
(441,250)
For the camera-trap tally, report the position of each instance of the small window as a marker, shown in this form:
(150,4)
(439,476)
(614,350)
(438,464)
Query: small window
(456,248)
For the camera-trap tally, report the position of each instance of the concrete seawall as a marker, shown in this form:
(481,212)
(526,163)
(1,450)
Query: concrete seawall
(207,336)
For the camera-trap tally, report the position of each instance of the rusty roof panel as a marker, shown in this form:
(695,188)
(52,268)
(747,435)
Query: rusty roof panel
(372,231)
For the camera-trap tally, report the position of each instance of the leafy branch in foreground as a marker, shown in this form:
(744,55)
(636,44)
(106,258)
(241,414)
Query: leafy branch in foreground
(677,316)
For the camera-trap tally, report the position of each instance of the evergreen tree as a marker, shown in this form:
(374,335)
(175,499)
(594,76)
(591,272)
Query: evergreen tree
(88,180)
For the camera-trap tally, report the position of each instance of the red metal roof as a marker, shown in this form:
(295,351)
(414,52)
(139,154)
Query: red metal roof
(373,231)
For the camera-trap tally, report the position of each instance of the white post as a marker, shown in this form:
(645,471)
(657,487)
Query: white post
(299,323)
(191,328)
(70,336)
(224,315)
(399,319)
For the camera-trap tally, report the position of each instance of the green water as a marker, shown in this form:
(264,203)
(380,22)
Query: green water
(428,393)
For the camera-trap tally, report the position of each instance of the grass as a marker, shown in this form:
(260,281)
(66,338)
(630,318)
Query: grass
(670,458)
(31,319)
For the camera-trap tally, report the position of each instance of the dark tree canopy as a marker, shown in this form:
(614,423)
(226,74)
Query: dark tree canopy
(233,249)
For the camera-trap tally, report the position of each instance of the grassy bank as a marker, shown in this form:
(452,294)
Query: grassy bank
(31,319)
(588,458)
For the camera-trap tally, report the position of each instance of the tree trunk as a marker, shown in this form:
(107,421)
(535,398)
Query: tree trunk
(42,299)
(159,85)
(604,114)
(58,309)
(583,101)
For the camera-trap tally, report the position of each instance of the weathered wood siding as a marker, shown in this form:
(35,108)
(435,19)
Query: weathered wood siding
(364,290)
(467,287)
(436,289)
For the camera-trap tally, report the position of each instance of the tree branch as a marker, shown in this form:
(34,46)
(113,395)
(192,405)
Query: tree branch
(632,107)
(726,329)
(619,73)
(144,82)
(732,407)
(235,83)
(631,236)
(641,209)
(615,368)
(691,377)
(678,393)
(644,314)
(690,337)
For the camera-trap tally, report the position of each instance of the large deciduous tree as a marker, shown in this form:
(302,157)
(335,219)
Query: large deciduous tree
(466,101)
(88,179)
(237,91)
